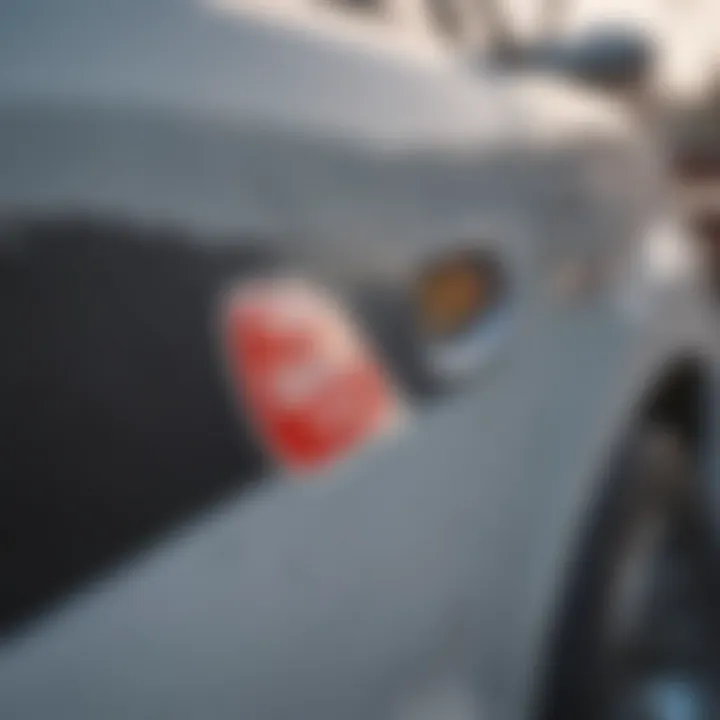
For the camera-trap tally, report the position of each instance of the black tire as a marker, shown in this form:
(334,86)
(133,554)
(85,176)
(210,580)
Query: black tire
(595,672)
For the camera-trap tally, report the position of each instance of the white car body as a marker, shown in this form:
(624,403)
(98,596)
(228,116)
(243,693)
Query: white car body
(422,574)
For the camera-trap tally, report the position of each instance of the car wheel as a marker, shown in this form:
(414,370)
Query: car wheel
(639,637)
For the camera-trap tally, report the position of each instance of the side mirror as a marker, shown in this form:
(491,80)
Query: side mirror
(609,58)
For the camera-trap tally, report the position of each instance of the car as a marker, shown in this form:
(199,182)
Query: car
(341,378)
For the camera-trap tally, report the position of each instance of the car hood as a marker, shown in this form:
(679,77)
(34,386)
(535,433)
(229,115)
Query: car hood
(174,112)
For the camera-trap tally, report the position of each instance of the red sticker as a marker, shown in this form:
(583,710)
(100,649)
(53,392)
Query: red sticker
(313,389)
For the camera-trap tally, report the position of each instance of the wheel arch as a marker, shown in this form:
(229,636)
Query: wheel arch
(675,397)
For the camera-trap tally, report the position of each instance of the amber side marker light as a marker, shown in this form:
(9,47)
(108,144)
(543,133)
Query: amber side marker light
(456,292)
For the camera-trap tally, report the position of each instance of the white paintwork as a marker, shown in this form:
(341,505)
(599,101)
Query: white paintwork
(438,556)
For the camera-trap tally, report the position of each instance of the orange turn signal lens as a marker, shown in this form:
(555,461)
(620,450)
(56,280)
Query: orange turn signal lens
(454,293)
